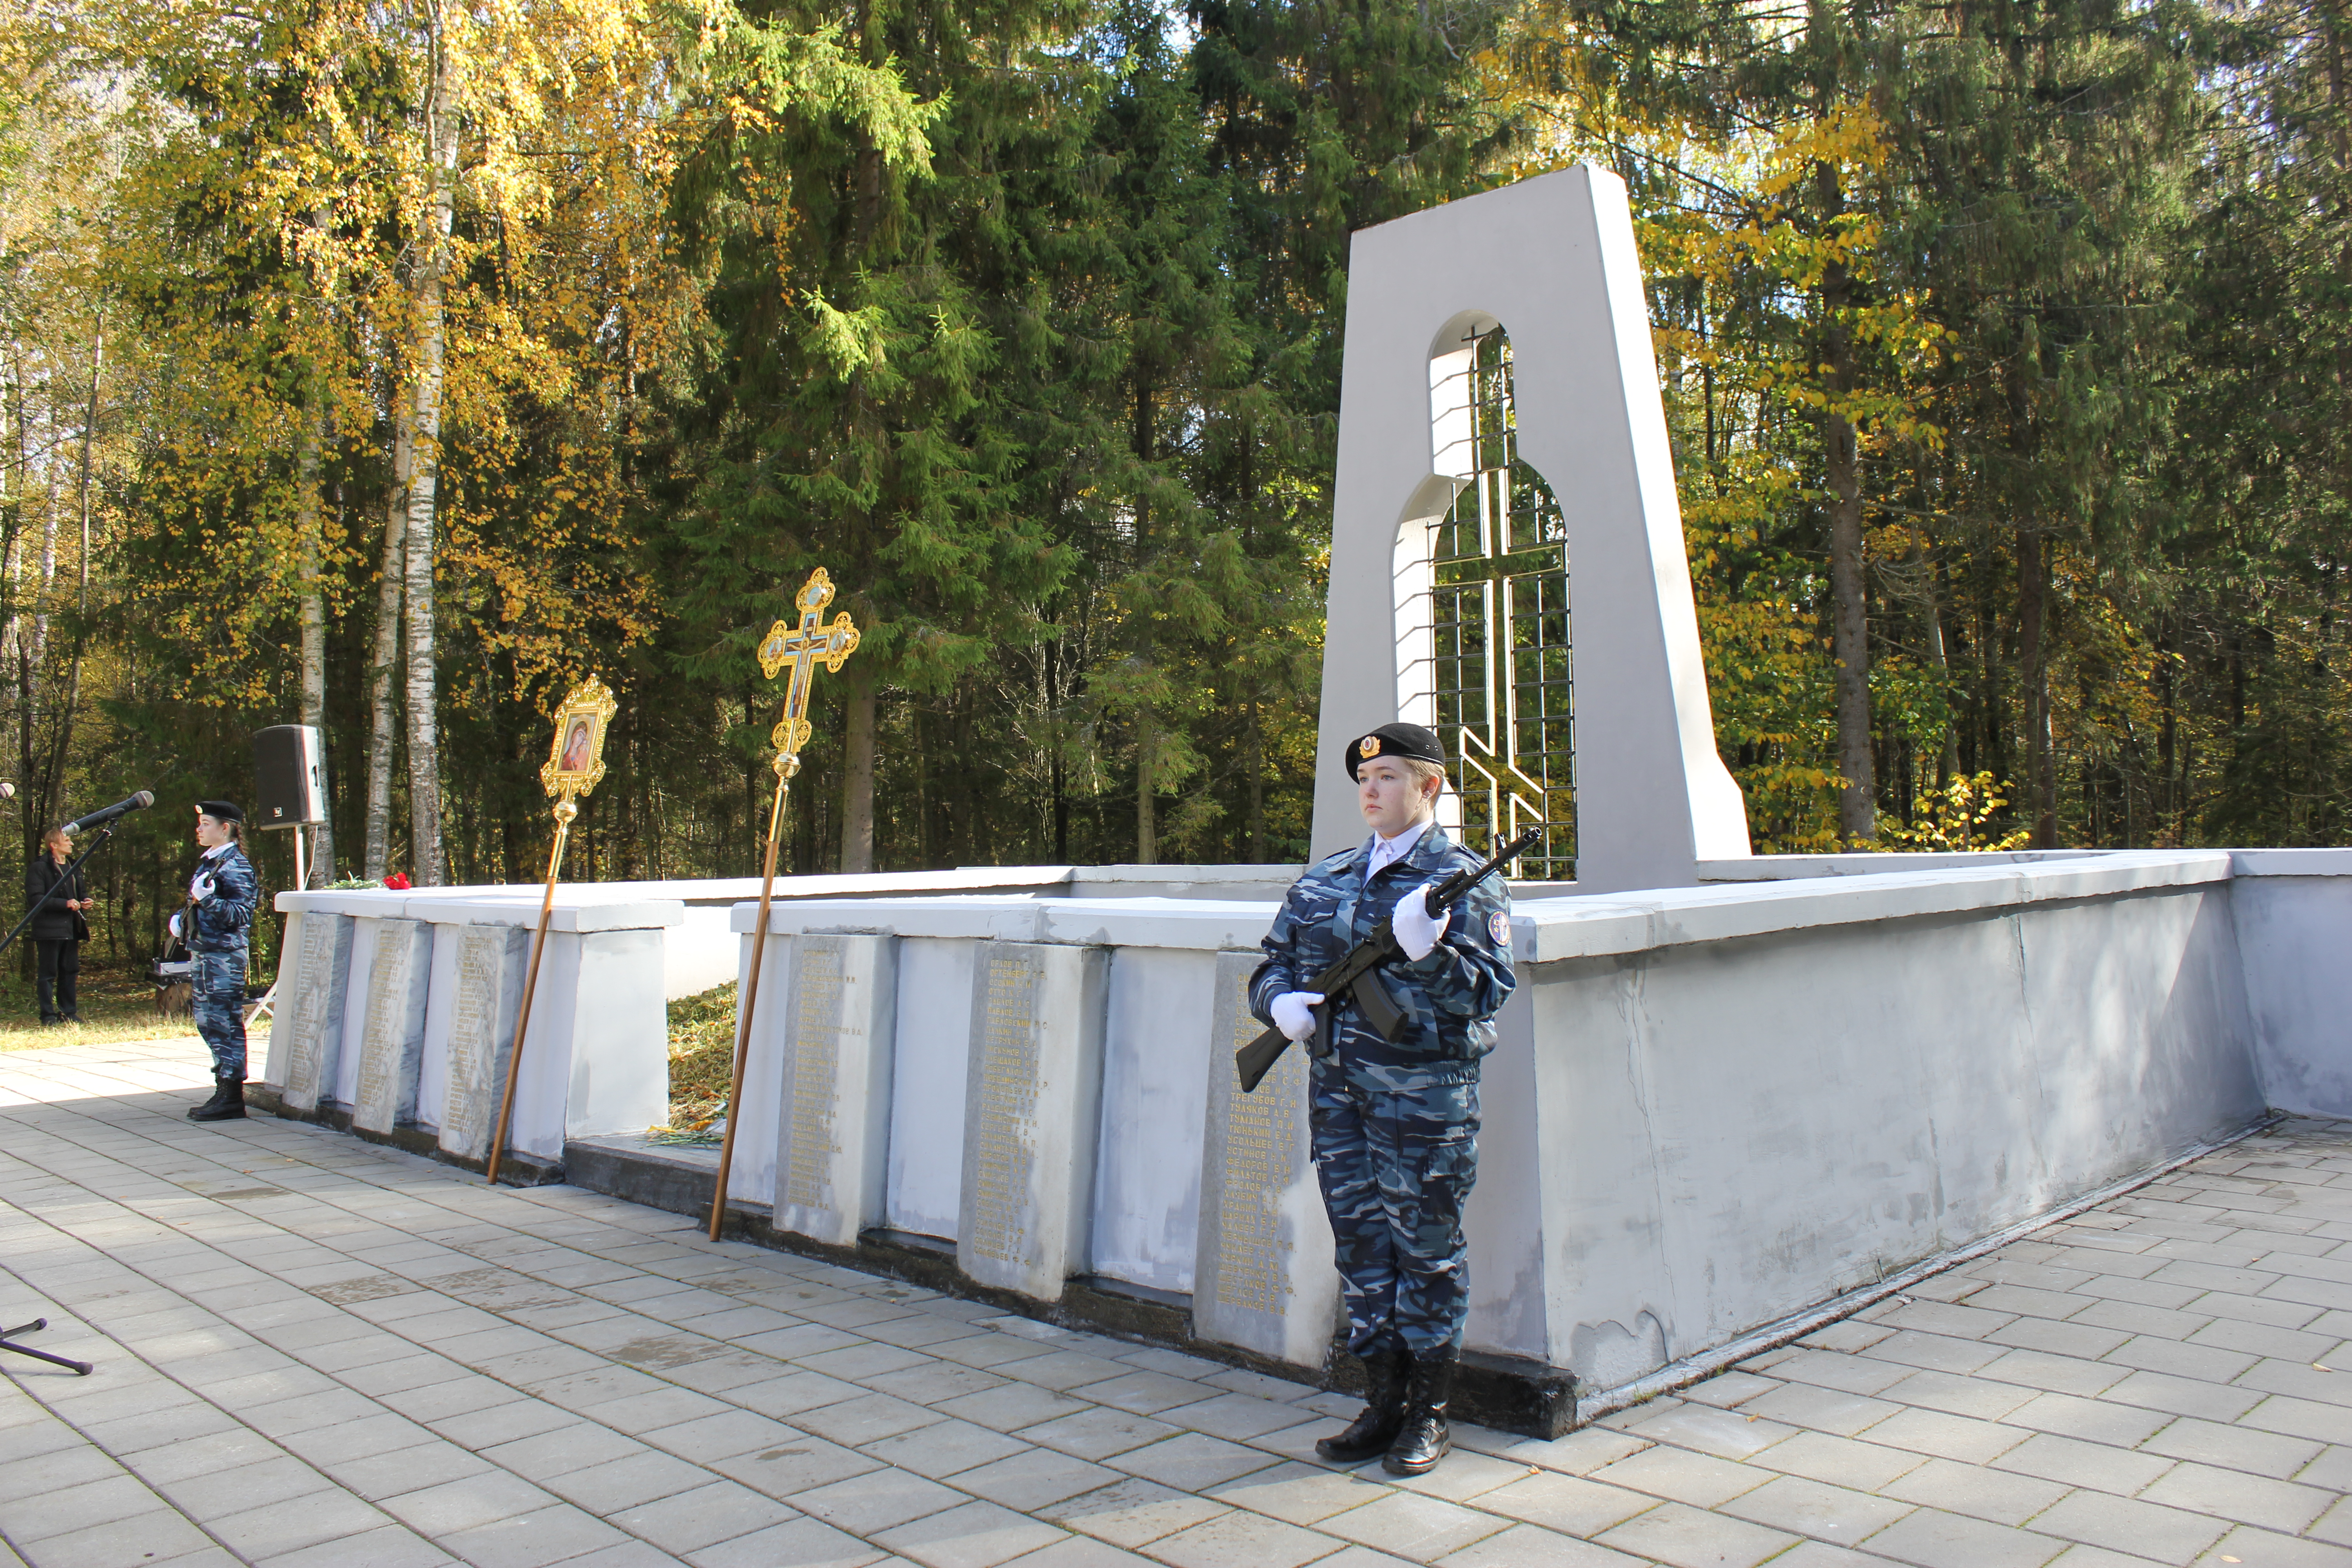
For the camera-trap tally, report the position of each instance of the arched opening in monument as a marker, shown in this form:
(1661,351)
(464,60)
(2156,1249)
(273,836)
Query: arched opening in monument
(1498,564)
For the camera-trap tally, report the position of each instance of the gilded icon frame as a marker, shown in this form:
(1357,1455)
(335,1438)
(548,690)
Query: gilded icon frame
(575,757)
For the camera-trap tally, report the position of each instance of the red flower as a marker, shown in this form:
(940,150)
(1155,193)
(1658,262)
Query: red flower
(397,882)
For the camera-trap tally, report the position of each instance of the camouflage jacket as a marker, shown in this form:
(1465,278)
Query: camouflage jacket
(221,921)
(1450,997)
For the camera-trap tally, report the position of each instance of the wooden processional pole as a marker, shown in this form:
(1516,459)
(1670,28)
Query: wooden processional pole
(574,765)
(804,648)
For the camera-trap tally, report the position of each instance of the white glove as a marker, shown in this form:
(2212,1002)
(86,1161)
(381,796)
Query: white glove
(202,888)
(174,922)
(1416,932)
(1294,1014)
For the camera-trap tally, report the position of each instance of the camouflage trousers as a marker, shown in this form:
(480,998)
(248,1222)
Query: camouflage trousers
(1396,1169)
(218,1001)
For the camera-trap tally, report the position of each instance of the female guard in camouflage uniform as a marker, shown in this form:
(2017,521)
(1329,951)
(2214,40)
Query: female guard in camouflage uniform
(1395,1123)
(219,911)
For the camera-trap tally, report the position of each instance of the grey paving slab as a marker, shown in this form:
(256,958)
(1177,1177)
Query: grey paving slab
(320,1352)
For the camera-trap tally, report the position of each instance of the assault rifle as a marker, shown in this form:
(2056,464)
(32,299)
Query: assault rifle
(1354,974)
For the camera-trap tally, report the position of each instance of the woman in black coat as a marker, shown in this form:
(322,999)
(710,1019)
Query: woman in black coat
(58,930)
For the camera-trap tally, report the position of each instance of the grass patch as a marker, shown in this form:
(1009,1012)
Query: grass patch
(701,1064)
(117,1003)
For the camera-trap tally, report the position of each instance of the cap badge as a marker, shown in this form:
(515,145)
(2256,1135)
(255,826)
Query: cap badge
(1369,746)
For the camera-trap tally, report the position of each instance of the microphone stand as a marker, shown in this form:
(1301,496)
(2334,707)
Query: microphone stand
(41,903)
(8,1336)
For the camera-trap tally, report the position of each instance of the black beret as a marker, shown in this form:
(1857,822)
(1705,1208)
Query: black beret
(1396,741)
(221,810)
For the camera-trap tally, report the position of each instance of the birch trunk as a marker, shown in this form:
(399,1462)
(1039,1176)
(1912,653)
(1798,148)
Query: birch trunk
(423,485)
(314,629)
(383,737)
(62,751)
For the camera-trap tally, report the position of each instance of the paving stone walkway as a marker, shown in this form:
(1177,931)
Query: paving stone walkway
(311,1351)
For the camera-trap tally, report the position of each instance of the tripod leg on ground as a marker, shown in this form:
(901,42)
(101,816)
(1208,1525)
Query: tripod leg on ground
(8,1335)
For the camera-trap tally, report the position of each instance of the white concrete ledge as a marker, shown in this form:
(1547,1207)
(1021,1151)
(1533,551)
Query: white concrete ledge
(1868,863)
(581,908)
(1550,930)
(1198,924)
(2291,862)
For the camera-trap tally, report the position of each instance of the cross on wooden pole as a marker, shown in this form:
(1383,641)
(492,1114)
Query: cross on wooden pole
(803,647)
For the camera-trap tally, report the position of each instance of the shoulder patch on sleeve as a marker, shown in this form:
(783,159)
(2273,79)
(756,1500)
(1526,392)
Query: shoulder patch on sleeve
(1498,926)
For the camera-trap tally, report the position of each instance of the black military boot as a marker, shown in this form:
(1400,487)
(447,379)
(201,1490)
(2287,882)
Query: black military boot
(1383,1416)
(1424,1439)
(227,1103)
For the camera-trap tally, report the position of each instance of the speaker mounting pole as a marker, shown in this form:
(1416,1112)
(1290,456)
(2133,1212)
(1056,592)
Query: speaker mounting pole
(291,770)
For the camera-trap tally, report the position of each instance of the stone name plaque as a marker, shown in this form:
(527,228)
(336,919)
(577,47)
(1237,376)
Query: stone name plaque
(391,1037)
(488,988)
(832,1129)
(309,1007)
(1262,1275)
(1033,1097)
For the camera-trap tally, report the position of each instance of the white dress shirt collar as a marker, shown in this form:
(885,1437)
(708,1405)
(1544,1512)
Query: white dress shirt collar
(1386,852)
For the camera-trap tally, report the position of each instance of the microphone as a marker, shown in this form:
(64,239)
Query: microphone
(138,801)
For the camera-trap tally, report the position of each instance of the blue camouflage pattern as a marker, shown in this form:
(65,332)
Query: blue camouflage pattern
(223,921)
(1449,998)
(1396,1169)
(218,1001)
(218,931)
(1394,1124)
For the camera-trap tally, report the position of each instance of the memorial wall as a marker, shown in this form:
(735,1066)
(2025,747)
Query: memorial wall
(1711,1107)
(395,1012)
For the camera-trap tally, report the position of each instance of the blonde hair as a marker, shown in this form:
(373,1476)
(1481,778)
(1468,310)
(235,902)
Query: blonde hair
(1422,771)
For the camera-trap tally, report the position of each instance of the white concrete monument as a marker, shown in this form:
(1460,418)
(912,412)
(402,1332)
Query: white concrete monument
(1552,261)
(1261,1265)
(391,1036)
(1032,1101)
(488,962)
(838,1023)
(309,1010)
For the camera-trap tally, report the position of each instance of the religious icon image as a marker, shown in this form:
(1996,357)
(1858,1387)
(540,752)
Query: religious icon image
(576,759)
(576,747)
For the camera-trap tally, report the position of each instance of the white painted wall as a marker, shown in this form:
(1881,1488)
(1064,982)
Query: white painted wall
(925,1180)
(2293,914)
(1712,1105)
(1736,1127)
(752,1179)
(1155,1107)
(595,1055)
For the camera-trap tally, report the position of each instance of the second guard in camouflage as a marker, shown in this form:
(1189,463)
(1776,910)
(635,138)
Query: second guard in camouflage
(1396,1122)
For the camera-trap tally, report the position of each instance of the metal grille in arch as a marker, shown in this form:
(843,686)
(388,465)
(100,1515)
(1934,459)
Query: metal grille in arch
(1500,560)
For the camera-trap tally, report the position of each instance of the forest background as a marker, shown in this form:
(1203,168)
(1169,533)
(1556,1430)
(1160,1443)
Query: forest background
(388,367)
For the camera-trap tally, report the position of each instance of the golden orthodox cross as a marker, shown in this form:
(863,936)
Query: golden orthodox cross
(804,648)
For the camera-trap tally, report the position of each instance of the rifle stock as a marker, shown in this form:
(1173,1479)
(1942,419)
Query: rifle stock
(1354,973)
